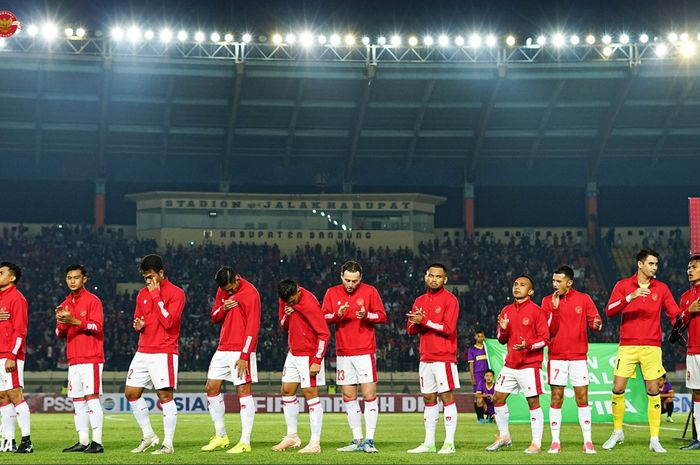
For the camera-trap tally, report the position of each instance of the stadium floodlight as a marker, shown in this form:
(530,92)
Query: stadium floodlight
(149,34)
(276,39)
(427,41)
(607,40)
(117,33)
(291,39)
(345,228)
(349,40)
(199,36)
(133,34)
(673,37)
(491,40)
(396,40)
(306,39)
(459,41)
(541,40)
(165,35)
(558,39)
(215,37)
(49,31)
(475,40)
(68,32)
(661,50)
(381,40)
(322,39)
(335,39)
(247,37)
(182,35)
(644,38)
(590,39)
(32,30)
(412,41)
(574,39)
(443,40)
(687,49)
(365,40)
(80,32)
(607,51)
(323,213)
(228,37)
(624,39)
(684,37)
(510,41)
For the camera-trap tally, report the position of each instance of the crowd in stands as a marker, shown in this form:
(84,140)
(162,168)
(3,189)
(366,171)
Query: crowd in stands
(482,269)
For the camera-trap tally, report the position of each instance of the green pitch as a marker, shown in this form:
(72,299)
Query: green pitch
(395,434)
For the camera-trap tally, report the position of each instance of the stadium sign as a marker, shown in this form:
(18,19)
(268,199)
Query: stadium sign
(601,360)
(264,204)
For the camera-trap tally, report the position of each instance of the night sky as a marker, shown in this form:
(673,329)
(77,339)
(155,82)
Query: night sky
(372,17)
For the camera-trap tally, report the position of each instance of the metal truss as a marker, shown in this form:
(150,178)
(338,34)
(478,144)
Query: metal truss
(634,54)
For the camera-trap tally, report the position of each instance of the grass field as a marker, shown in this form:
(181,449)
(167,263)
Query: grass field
(395,434)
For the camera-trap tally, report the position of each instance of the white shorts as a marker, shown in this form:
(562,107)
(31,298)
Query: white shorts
(525,380)
(438,377)
(692,375)
(559,372)
(84,379)
(158,371)
(12,380)
(296,370)
(356,369)
(223,366)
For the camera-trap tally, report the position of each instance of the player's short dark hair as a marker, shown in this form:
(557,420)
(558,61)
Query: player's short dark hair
(224,276)
(287,288)
(437,265)
(566,271)
(644,253)
(490,371)
(14,269)
(76,267)
(532,281)
(694,258)
(351,266)
(152,262)
(479,331)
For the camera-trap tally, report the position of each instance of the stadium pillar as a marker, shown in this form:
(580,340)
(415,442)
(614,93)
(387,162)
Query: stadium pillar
(469,209)
(100,208)
(592,212)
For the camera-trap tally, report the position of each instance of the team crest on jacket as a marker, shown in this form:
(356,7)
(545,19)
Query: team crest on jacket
(655,297)
(578,310)
(360,302)
(438,309)
(526,321)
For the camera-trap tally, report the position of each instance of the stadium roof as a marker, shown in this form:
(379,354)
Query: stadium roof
(396,119)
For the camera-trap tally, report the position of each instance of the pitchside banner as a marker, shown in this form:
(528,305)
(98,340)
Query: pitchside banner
(601,361)
(694,216)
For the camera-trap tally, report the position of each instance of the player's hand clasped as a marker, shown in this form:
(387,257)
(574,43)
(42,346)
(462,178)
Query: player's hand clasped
(139,323)
(10,365)
(288,310)
(342,309)
(4,314)
(693,308)
(416,317)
